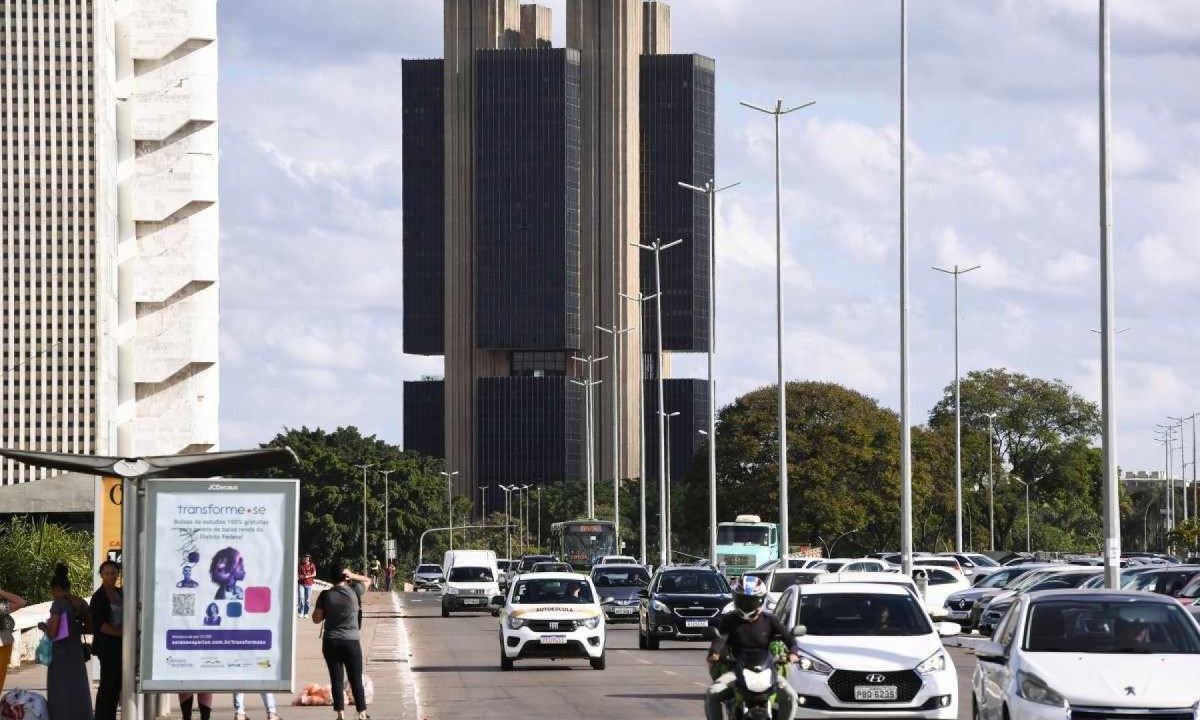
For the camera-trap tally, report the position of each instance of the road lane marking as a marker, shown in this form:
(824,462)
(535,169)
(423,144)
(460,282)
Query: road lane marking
(671,672)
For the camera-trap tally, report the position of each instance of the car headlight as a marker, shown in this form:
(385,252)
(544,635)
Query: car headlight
(934,663)
(591,623)
(813,664)
(659,607)
(515,623)
(451,590)
(1034,689)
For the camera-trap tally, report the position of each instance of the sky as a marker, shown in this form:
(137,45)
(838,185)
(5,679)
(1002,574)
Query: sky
(1004,173)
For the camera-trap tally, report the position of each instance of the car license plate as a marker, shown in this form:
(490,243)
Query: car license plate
(875,692)
(696,623)
(554,639)
(472,601)
(623,611)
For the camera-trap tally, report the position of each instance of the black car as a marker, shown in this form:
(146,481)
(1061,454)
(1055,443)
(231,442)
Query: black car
(682,603)
(527,562)
(618,587)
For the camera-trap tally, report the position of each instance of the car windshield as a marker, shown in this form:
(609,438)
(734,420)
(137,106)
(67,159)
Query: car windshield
(1000,578)
(983,561)
(1062,581)
(831,566)
(743,535)
(630,576)
(1030,578)
(552,567)
(1089,626)
(693,583)
(429,569)
(470,574)
(783,581)
(544,591)
(527,563)
(860,614)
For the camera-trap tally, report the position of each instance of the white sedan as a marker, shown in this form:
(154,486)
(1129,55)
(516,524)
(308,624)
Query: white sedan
(1062,654)
(868,650)
(941,583)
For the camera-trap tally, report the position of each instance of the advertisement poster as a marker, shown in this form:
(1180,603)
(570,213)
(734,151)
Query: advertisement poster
(108,521)
(220,580)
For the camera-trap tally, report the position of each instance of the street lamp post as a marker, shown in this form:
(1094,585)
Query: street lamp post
(1028,515)
(991,484)
(657,247)
(906,534)
(387,517)
(1182,463)
(507,519)
(589,444)
(364,468)
(710,189)
(777,113)
(958,507)
(616,422)
(539,510)
(667,453)
(450,503)
(641,436)
(525,493)
(483,500)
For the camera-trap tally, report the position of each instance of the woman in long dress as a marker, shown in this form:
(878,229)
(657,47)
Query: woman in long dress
(68,692)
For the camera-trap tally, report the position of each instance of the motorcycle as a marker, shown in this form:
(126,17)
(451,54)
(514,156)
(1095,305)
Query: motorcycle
(755,676)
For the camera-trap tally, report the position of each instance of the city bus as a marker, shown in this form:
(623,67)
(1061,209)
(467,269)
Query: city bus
(583,542)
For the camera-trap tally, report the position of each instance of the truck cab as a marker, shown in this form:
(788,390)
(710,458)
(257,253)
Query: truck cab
(746,543)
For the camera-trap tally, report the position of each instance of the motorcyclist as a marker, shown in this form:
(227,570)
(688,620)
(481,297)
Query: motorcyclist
(749,628)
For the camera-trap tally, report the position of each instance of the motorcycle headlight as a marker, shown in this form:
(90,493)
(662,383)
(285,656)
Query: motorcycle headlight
(451,590)
(934,663)
(659,607)
(1034,689)
(515,623)
(814,664)
(591,623)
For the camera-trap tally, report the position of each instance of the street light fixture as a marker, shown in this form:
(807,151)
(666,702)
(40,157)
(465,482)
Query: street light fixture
(450,503)
(667,480)
(364,468)
(710,189)
(525,492)
(507,518)
(958,507)
(1028,516)
(991,484)
(589,444)
(387,517)
(777,113)
(640,299)
(616,334)
(483,500)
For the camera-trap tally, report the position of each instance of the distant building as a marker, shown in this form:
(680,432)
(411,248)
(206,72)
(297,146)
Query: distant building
(555,162)
(108,235)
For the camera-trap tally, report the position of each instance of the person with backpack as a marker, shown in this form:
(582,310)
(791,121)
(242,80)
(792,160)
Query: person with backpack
(68,692)
(340,609)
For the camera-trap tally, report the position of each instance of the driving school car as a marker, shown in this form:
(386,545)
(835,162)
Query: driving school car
(551,616)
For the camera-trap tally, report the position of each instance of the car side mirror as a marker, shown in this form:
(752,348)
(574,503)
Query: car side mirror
(498,600)
(800,631)
(948,629)
(991,652)
(643,593)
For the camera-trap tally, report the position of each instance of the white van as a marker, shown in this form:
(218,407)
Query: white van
(472,580)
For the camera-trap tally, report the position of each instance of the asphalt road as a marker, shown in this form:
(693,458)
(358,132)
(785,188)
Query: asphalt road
(456,664)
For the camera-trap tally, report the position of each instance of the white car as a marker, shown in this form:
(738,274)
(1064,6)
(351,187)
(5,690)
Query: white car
(618,560)
(941,583)
(781,579)
(868,650)
(1089,654)
(551,615)
(833,565)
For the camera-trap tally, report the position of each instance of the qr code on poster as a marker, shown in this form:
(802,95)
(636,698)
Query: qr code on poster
(182,604)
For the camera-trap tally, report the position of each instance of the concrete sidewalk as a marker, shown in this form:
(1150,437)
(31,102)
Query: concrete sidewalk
(385,645)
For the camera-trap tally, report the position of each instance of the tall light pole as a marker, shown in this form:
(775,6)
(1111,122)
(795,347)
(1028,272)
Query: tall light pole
(1182,463)
(710,189)
(640,299)
(525,493)
(1168,439)
(1028,515)
(667,453)
(589,444)
(616,334)
(906,548)
(657,247)
(1108,391)
(958,508)
(991,484)
(450,504)
(364,468)
(539,508)
(387,517)
(507,519)
(483,500)
(777,113)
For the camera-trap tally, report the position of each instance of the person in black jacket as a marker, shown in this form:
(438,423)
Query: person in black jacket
(107,607)
(749,628)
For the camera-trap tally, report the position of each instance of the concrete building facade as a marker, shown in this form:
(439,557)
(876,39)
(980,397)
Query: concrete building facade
(109,227)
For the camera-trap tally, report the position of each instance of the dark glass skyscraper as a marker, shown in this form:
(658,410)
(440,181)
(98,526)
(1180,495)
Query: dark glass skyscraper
(423,206)
(677,146)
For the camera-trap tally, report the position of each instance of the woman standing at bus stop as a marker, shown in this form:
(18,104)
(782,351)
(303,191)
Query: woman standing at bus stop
(107,604)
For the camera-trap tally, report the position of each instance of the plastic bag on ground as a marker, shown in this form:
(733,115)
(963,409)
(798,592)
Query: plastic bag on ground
(23,705)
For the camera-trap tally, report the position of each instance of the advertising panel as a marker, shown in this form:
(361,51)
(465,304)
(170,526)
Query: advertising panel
(219,585)
(108,522)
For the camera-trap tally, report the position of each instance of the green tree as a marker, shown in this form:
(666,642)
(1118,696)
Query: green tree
(29,551)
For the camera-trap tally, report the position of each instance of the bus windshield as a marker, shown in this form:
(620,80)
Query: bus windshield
(743,535)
